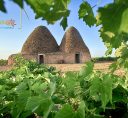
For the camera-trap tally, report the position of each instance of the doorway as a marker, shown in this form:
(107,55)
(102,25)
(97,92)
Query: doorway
(41,59)
(77,58)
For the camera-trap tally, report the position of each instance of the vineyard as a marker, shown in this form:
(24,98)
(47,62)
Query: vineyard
(30,90)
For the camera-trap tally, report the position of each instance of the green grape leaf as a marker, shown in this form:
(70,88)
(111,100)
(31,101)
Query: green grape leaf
(2,7)
(86,13)
(52,86)
(70,82)
(95,88)
(101,89)
(81,110)
(122,51)
(19,2)
(113,18)
(50,10)
(39,87)
(65,112)
(68,112)
(37,103)
(64,23)
(120,94)
(113,67)
(20,103)
(87,69)
(106,90)
(117,13)
(21,87)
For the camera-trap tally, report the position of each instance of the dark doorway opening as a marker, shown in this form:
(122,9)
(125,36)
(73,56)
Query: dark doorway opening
(77,58)
(41,59)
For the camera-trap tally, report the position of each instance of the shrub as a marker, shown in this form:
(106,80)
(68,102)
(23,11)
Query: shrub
(102,59)
(3,62)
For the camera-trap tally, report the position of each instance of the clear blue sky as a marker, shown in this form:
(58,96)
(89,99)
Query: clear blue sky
(11,40)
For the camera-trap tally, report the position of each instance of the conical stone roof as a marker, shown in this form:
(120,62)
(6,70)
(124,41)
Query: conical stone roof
(40,41)
(73,42)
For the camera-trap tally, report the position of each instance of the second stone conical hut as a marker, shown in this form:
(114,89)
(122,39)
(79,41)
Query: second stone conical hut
(73,42)
(42,47)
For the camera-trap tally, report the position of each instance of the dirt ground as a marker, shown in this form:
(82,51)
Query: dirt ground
(102,66)
(77,67)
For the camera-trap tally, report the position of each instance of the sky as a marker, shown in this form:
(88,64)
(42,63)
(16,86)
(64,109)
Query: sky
(11,40)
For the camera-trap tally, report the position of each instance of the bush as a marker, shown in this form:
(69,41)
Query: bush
(3,62)
(98,59)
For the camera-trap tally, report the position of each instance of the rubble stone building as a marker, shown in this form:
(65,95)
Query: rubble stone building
(42,47)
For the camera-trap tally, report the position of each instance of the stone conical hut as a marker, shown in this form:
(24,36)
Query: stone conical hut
(40,41)
(42,47)
(73,42)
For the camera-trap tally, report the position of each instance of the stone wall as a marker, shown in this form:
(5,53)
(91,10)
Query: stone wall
(30,56)
(11,59)
(59,58)
(85,57)
(55,58)
(67,58)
